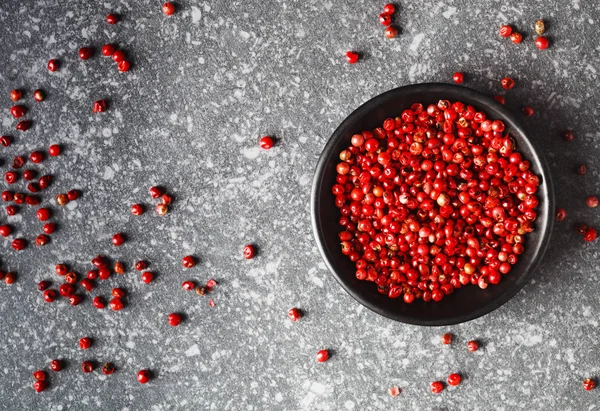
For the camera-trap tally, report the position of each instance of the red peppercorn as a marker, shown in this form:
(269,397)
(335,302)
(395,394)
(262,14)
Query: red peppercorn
(49,228)
(118,239)
(5,141)
(118,56)
(41,240)
(18,111)
(73,195)
(49,296)
(71,277)
(23,125)
(43,214)
(141,265)
(188,285)
(29,175)
(156,192)
(62,199)
(541,42)
(87,284)
(249,251)
(18,162)
(99,302)
(589,384)
(210,284)
(104,273)
(112,18)
(447,338)
(385,19)
(99,106)
(147,277)
(75,300)
(119,268)
(168,8)
(188,261)
(528,111)
(108,368)
(87,367)
(66,290)
(56,365)
(591,201)
(390,32)
(40,386)
(85,343)
(516,38)
(5,230)
(389,8)
(294,314)
(16,95)
(10,177)
(32,200)
(322,355)
(472,346)
(38,95)
(39,375)
(590,234)
(581,170)
(19,244)
(436,387)
(44,182)
(505,30)
(7,196)
(118,292)
(43,285)
(137,209)
(85,53)
(108,50)
(561,214)
(116,304)
(52,65)
(166,199)
(394,391)
(568,135)
(174,319)
(352,57)
(161,209)
(454,379)
(61,270)
(123,66)
(507,83)
(200,290)
(11,210)
(10,277)
(92,274)
(266,143)
(143,376)
(458,77)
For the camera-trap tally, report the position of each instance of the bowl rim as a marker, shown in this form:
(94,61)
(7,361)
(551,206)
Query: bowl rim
(470,94)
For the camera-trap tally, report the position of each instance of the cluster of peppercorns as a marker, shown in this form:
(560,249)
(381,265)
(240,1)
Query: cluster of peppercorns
(188,262)
(385,18)
(161,208)
(541,41)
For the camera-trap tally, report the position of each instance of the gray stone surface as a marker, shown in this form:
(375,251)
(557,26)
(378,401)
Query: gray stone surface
(205,84)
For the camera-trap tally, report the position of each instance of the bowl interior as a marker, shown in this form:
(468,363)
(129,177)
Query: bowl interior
(468,302)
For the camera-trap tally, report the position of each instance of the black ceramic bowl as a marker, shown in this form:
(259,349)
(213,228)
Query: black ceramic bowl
(466,303)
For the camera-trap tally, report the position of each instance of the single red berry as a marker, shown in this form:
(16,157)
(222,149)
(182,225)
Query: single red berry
(56,365)
(85,343)
(156,191)
(447,338)
(188,285)
(40,386)
(352,57)
(104,273)
(29,175)
(52,65)
(472,346)
(5,230)
(385,19)
(119,268)
(108,50)
(143,376)
(590,234)
(137,209)
(166,199)
(516,38)
(62,199)
(10,177)
(38,95)
(19,244)
(394,391)
(294,314)
(249,252)
(581,170)
(161,209)
(168,8)
(211,303)
(210,284)
(7,196)
(33,187)
(123,66)
(99,302)
(188,261)
(18,162)
(85,53)
(589,384)
(266,143)
(32,200)
(5,141)
(174,319)
(39,375)
(116,304)
(141,265)
(43,285)
(507,83)
(454,379)
(41,240)
(458,77)
(19,198)
(87,284)
(18,111)
(118,239)
(71,277)
(66,290)
(49,228)
(147,277)
(391,32)
(23,125)
(505,30)
(44,182)
(61,269)
(541,42)
(75,300)
(118,56)
(99,106)
(73,195)
(389,8)
(118,292)
(43,214)
(436,387)
(112,18)
(49,296)
(87,367)
(527,111)
(568,135)
(200,290)
(591,201)
(561,214)
(16,95)
(322,355)
(92,274)
(108,368)
(11,210)
(10,277)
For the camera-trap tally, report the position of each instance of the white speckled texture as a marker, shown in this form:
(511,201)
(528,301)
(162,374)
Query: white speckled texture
(205,84)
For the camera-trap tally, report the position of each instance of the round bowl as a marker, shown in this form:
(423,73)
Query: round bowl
(465,303)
